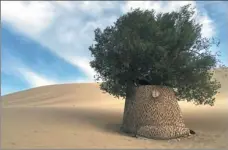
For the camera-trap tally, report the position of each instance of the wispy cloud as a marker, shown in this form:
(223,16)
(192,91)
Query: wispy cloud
(31,18)
(15,66)
(201,17)
(35,79)
(60,26)
(66,27)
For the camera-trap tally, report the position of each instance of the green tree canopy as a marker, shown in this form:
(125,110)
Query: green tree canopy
(165,49)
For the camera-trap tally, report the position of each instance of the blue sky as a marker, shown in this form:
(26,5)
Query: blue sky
(45,43)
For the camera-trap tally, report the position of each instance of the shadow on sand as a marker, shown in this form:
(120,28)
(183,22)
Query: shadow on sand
(109,121)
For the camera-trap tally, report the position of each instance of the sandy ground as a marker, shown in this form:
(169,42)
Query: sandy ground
(81,116)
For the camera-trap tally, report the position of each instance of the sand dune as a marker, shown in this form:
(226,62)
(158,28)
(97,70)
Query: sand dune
(82,116)
(58,95)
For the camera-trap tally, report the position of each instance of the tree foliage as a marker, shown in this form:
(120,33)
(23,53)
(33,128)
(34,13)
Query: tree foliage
(165,49)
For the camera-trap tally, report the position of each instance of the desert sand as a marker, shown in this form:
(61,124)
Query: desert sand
(82,116)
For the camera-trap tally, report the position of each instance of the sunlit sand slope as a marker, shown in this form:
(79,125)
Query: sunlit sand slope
(82,116)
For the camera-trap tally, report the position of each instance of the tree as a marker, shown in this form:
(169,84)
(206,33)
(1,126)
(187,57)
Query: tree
(157,51)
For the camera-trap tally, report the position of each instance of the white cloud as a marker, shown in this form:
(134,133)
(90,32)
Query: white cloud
(141,4)
(35,79)
(66,27)
(84,64)
(63,30)
(28,17)
(15,66)
(208,29)
(158,6)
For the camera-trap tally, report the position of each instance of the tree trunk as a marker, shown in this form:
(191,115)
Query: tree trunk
(153,112)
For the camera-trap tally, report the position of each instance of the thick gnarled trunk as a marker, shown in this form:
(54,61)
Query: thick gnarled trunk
(153,112)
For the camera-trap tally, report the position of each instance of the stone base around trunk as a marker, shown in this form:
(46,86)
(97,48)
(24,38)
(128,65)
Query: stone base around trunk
(162,132)
(153,112)
(158,133)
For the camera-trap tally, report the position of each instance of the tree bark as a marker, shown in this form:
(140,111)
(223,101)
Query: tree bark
(153,112)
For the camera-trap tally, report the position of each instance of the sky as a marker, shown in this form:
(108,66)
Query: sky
(46,42)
